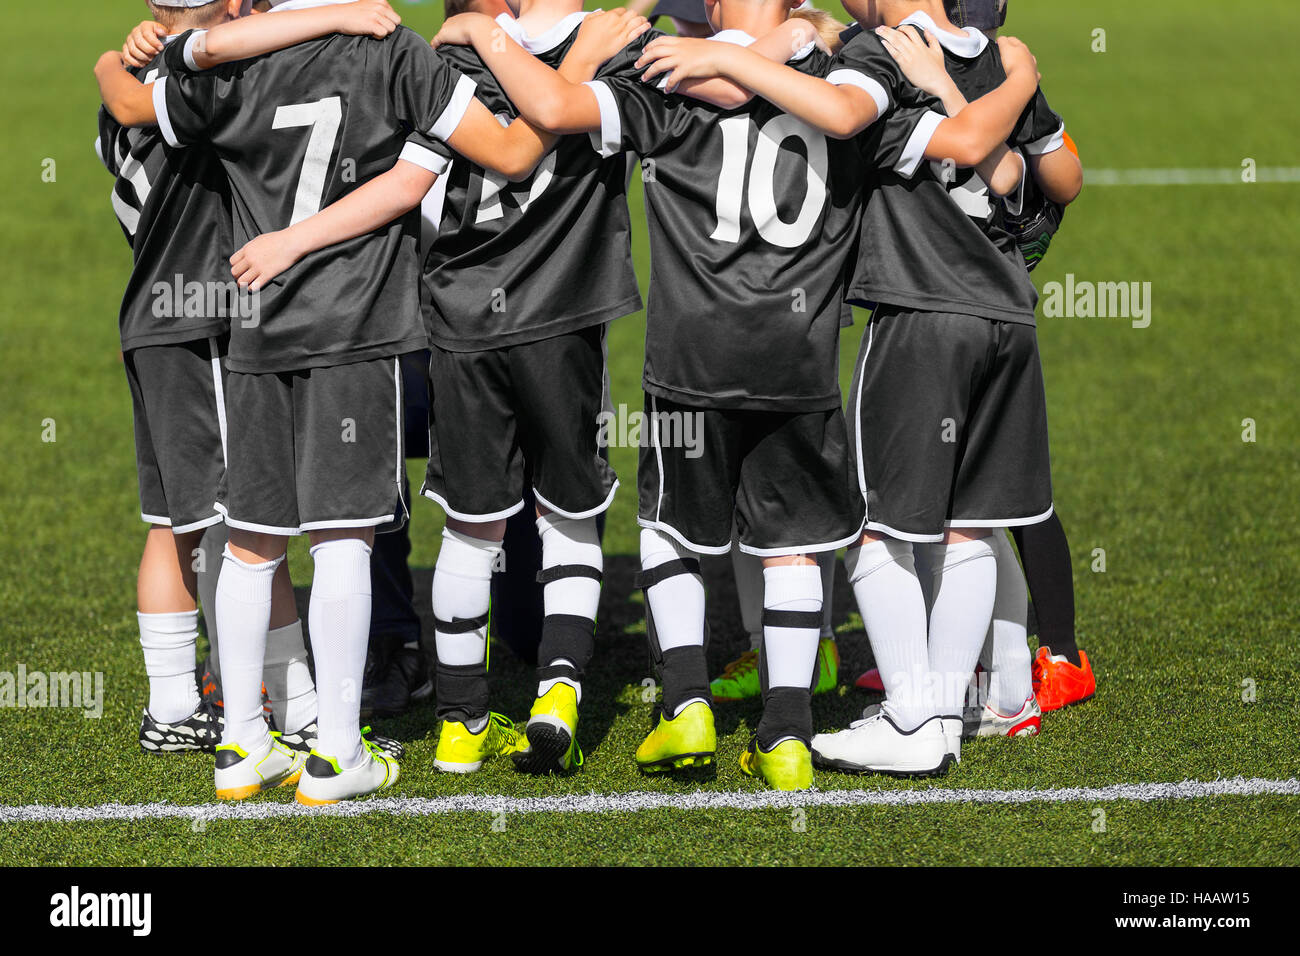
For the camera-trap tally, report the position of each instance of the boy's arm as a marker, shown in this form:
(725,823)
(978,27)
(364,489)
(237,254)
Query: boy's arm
(922,62)
(839,111)
(513,151)
(128,100)
(1059,173)
(367,208)
(258,35)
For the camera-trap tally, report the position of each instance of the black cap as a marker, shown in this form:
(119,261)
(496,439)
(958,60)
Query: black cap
(692,10)
(980,14)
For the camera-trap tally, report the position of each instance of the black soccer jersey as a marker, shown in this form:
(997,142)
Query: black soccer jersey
(296,131)
(932,235)
(174,209)
(517,262)
(751,214)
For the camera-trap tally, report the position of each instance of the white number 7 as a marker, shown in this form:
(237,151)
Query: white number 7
(323,117)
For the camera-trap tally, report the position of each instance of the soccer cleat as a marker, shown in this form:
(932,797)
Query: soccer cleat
(874,744)
(304,740)
(550,743)
(324,781)
(461,751)
(953,730)
(1026,722)
(1058,683)
(242,773)
(688,740)
(740,679)
(201,731)
(870,680)
(405,682)
(787,766)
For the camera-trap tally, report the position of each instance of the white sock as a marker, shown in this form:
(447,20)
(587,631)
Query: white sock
(168,642)
(790,653)
(676,602)
(288,679)
(243,618)
(462,589)
(826,562)
(339,621)
(1009,663)
(965,579)
(892,606)
(748,569)
(569,541)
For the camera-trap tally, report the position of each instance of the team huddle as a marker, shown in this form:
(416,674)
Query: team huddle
(792,169)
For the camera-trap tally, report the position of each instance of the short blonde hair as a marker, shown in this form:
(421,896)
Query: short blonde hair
(828,28)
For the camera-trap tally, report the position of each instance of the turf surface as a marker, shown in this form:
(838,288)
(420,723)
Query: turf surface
(1198,527)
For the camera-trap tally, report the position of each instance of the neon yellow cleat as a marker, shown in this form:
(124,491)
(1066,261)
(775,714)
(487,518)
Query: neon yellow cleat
(688,740)
(460,751)
(551,740)
(787,766)
(739,681)
(828,666)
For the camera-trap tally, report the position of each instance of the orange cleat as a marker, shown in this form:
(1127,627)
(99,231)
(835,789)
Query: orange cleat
(1058,683)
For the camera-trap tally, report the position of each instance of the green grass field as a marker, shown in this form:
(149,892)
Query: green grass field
(1199,528)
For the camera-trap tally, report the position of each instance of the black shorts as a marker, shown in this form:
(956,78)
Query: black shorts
(540,402)
(315,449)
(783,478)
(949,424)
(176,394)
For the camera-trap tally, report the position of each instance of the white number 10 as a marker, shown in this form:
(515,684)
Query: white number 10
(323,117)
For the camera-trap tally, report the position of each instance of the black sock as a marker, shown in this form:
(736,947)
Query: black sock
(1045,554)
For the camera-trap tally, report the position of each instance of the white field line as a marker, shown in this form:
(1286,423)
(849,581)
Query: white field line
(634,802)
(1188,177)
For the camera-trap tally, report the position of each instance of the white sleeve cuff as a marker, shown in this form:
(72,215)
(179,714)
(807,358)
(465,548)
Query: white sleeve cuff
(862,82)
(160,109)
(609,140)
(1014,201)
(1048,144)
(103,156)
(189,49)
(914,152)
(455,111)
(425,158)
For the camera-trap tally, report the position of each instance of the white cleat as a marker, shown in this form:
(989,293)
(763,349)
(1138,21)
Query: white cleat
(875,744)
(1025,722)
(953,728)
(241,773)
(324,781)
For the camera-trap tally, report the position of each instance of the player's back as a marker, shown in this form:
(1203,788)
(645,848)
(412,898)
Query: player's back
(296,131)
(174,209)
(933,237)
(516,262)
(752,214)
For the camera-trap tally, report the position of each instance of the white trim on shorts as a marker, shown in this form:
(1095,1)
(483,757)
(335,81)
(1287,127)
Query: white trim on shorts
(885,529)
(202,523)
(219,391)
(857,416)
(659,457)
(681,538)
(400,437)
(804,549)
(1001,522)
(441,502)
(579,515)
(253,526)
(345,523)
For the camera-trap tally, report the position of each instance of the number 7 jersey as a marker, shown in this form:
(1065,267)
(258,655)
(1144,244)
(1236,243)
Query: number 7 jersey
(752,216)
(295,131)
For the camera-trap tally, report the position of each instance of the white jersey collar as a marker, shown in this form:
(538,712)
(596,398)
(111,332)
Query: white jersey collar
(548,39)
(741,38)
(967,47)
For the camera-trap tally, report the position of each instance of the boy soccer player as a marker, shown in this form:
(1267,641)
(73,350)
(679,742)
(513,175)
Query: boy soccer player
(313,398)
(174,208)
(744,317)
(953,308)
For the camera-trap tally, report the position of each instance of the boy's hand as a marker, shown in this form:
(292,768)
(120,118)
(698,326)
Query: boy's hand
(604,33)
(461,29)
(144,43)
(681,59)
(921,62)
(264,258)
(374,18)
(802,32)
(1016,57)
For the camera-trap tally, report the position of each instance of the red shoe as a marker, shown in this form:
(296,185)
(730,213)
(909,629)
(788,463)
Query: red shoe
(1058,683)
(871,681)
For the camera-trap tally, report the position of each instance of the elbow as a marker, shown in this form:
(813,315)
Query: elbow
(518,168)
(550,112)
